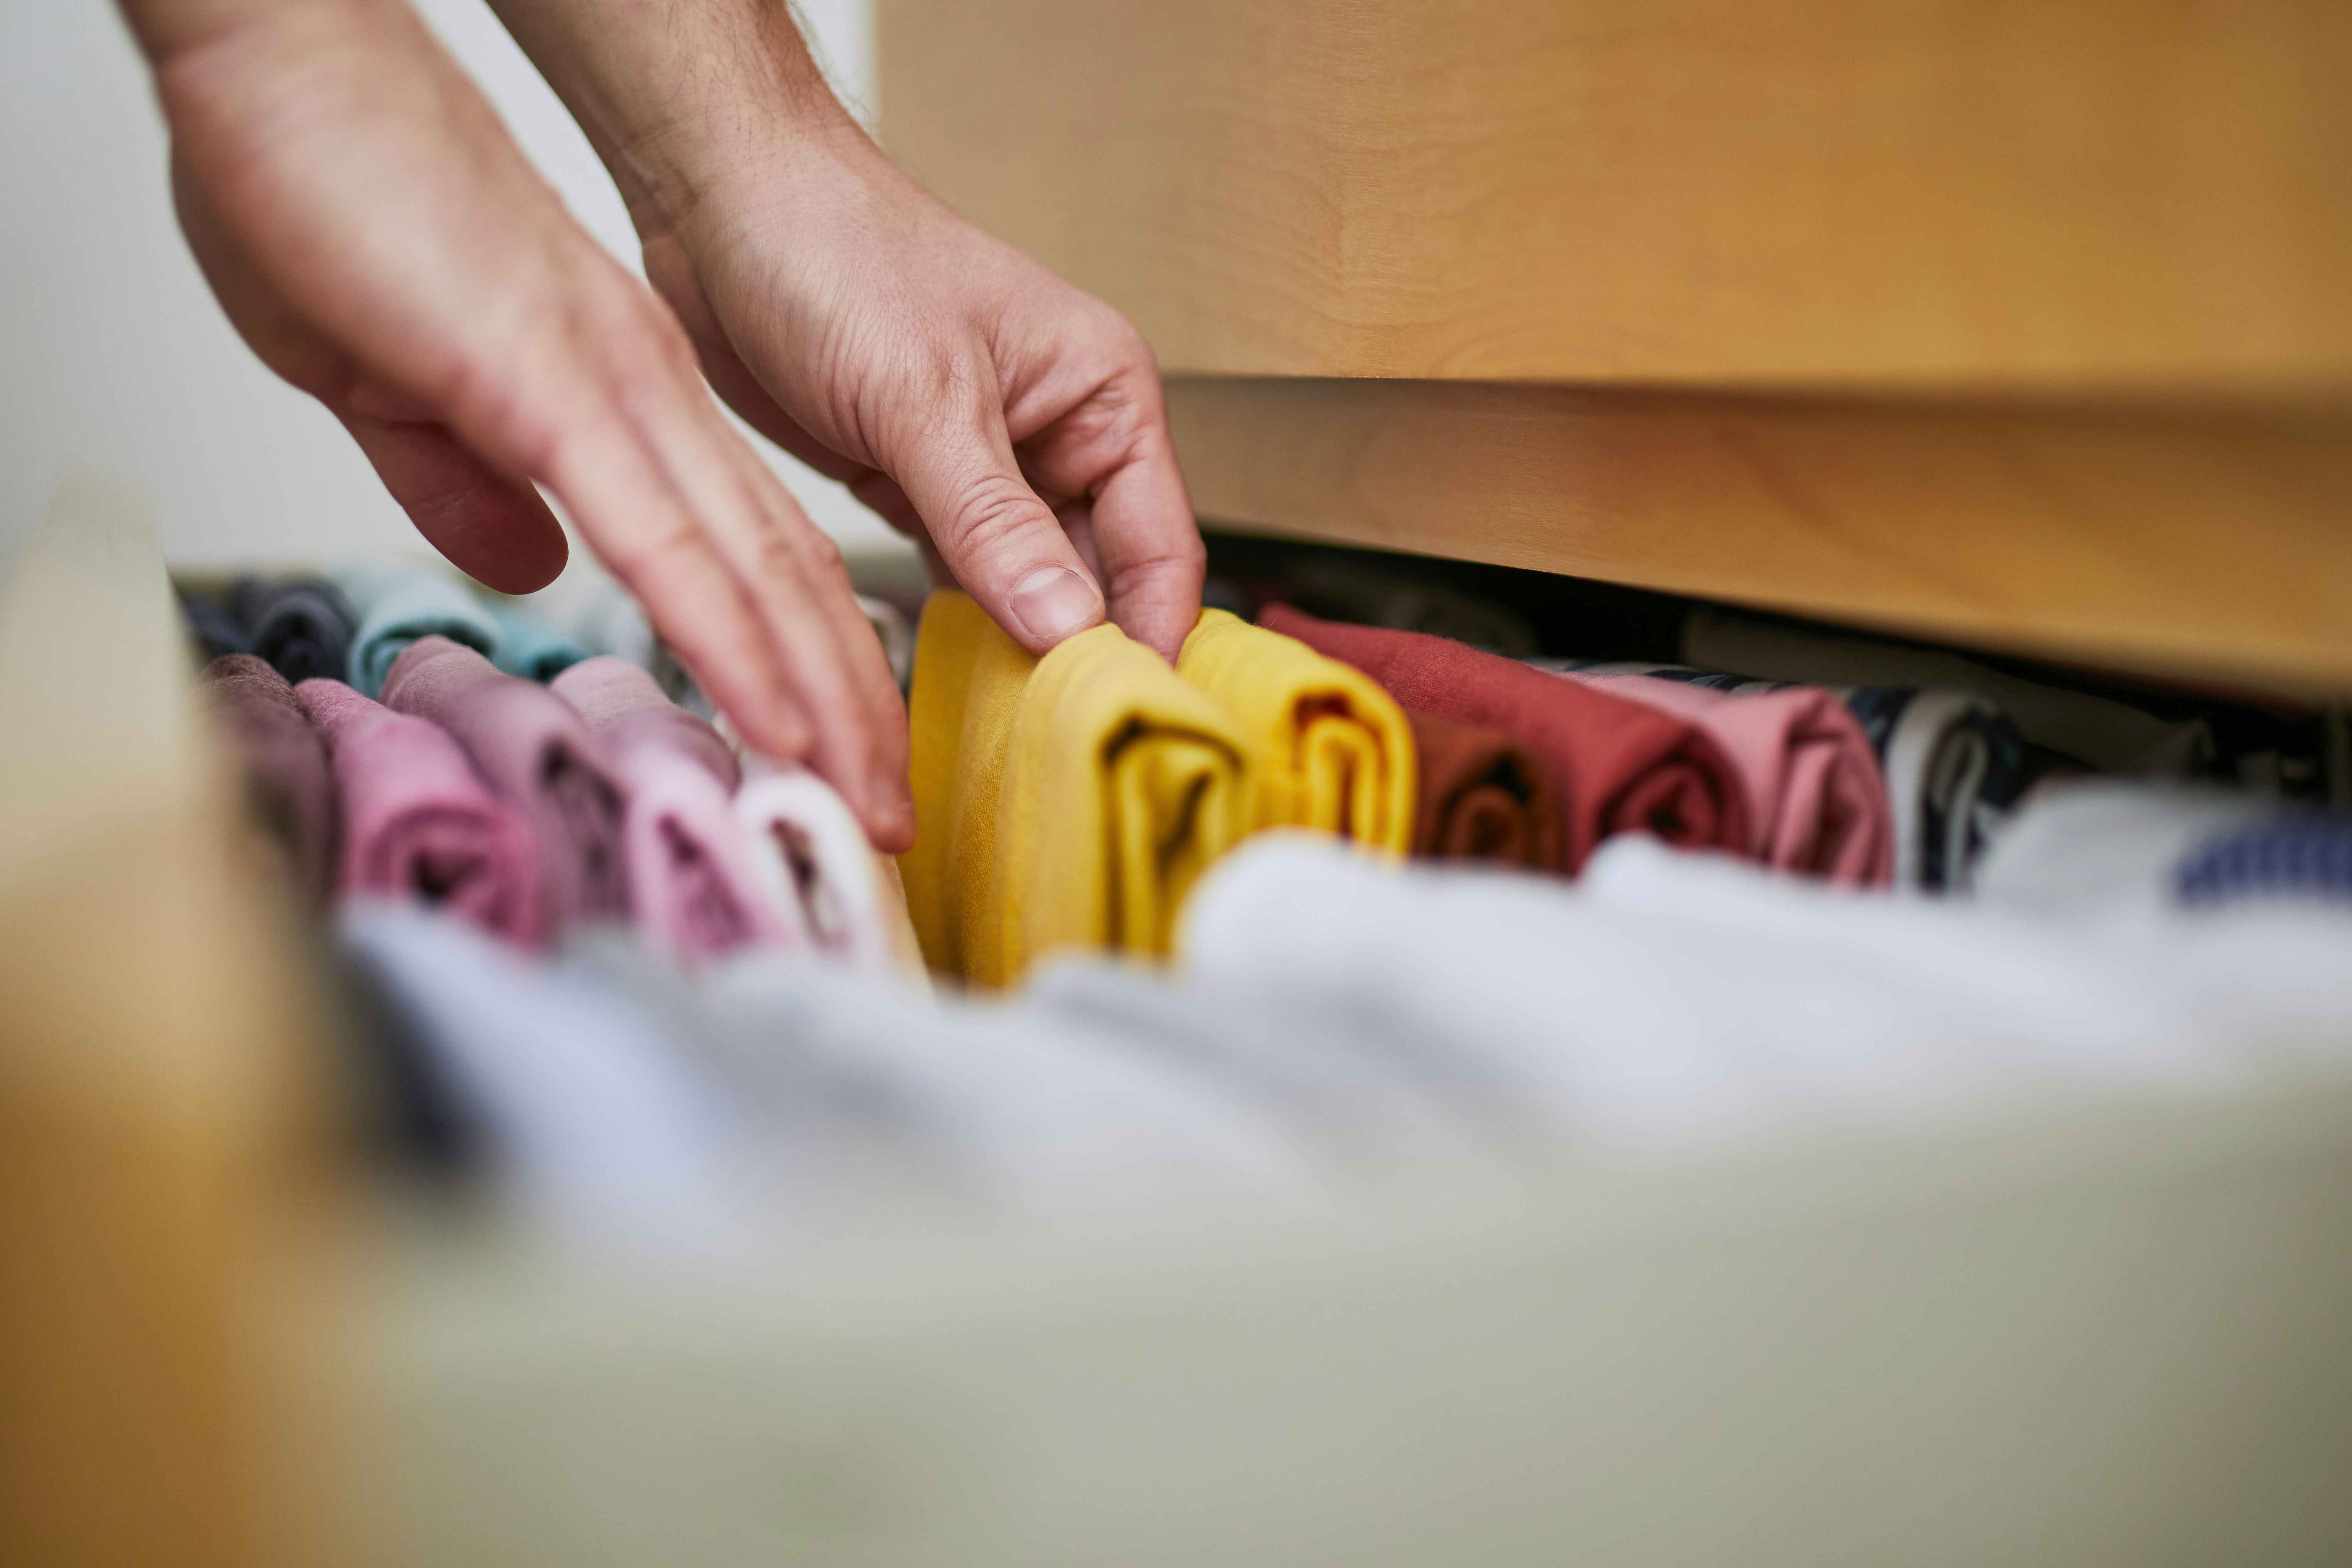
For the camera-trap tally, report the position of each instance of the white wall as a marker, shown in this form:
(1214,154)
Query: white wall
(115,361)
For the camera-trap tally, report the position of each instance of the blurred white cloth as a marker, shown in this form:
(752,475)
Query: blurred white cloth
(1668,1001)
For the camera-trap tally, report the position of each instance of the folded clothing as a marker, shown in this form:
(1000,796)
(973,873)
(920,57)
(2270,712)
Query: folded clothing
(287,785)
(540,756)
(2118,845)
(1482,799)
(694,888)
(530,647)
(1068,800)
(1668,1003)
(1817,804)
(212,624)
(396,608)
(813,862)
(1619,765)
(419,824)
(301,625)
(1331,751)
(1952,766)
(2095,731)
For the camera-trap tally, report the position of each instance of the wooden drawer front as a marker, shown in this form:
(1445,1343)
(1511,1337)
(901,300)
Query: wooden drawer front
(1980,194)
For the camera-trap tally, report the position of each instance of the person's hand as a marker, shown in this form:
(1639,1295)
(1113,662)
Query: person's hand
(1014,425)
(376,237)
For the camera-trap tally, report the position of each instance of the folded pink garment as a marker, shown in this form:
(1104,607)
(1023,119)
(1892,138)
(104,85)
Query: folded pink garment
(1816,802)
(842,896)
(418,823)
(540,756)
(696,891)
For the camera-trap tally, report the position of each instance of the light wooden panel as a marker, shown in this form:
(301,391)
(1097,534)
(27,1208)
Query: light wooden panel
(147,1090)
(2177,542)
(2054,194)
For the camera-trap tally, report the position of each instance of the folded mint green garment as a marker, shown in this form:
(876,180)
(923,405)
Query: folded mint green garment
(396,608)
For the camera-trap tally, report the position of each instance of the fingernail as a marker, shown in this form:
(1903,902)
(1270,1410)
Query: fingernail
(1053,602)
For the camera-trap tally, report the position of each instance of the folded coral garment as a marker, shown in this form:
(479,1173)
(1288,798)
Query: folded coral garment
(301,625)
(1619,765)
(2138,847)
(1067,801)
(2097,730)
(396,608)
(1816,802)
(1482,799)
(537,753)
(1951,764)
(693,888)
(1331,751)
(287,784)
(419,824)
(814,862)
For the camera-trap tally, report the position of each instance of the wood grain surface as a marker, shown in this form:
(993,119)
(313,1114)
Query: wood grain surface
(2071,196)
(2177,542)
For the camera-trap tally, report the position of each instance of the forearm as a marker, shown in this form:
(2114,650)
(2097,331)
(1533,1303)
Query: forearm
(674,93)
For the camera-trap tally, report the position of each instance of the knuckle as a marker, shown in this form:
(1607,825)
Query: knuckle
(989,515)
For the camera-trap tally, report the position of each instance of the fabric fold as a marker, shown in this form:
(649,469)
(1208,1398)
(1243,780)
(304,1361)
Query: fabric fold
(530,647)
(838,894)
(301,625)
(1817,803)
(419,824)
(1065,801)
(1620,766)
(693,888)
(540,756)
(288,789)
(1331,749)
(397,608)
(1480,797)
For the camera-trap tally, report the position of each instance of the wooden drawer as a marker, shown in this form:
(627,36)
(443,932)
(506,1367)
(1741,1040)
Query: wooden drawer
(2024,324)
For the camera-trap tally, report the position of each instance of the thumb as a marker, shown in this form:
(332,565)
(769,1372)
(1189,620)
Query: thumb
(1003,545)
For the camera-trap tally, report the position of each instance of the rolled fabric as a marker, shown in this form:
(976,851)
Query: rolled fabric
(531,649)
(1065,801)
(1482,799)
(890,624)
(540,756)
(1332,751)
(693,888)
(301,625)
(287,785)
(211,624)
(840,895)
(419,824)
(395,610)
(1619,766)
(1817,804)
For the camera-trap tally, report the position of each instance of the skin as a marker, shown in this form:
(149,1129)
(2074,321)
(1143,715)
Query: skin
(376,237)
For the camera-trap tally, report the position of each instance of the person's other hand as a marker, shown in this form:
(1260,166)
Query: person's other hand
(377,238)
(1014,425)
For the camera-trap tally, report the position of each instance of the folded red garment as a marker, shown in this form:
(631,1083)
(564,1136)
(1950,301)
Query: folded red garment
(287,787)
(1816,801)
(540,757)
(418,823)
(1620,766)
(695,886)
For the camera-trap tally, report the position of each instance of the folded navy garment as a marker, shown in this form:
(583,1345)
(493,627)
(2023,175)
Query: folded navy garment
(398,608)
(213,625)
(301,627)
(2289,856)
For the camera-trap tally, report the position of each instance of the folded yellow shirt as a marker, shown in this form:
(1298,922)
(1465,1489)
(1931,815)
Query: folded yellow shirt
(1067,801)
(1331,751)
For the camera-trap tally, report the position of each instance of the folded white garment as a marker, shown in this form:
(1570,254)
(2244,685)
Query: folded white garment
(595,1123)
(839,895)
(2121,846)
(1671,1001)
